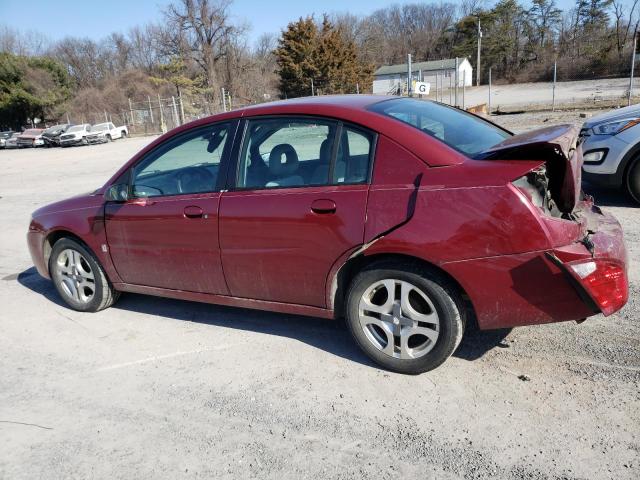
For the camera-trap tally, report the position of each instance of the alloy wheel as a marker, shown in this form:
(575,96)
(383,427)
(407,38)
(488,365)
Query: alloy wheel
(399,319)
(75,276)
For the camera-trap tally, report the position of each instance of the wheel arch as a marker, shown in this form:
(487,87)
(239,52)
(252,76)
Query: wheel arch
(352,266)
(51,239)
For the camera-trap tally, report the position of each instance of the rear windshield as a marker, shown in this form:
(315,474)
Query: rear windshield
(460,130)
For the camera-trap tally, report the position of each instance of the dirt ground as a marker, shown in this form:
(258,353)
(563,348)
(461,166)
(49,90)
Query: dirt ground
(156,388)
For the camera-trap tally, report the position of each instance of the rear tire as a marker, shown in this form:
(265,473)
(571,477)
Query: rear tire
(406,318)
(79,278)
(633,181)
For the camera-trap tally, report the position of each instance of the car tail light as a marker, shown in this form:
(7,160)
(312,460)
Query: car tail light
(605,281)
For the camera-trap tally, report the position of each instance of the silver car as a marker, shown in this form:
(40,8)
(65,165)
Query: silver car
(611,147)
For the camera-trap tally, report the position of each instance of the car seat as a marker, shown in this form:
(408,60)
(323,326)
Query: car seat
(284,173)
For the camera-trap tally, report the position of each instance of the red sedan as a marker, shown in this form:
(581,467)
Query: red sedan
(408,218)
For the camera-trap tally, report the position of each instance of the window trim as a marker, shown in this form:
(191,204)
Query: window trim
(224,159)
(235,163)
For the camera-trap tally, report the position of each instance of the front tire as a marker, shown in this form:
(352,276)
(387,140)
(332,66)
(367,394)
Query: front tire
(633,181)
(406,318)
(79,278)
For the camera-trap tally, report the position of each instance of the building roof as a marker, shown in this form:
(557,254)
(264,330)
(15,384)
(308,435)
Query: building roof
(445,64)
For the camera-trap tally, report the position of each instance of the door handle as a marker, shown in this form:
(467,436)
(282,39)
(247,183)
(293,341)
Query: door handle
(323,206)
(193,211)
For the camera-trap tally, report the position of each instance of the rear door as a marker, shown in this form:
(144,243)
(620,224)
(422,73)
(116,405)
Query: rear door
(297,202)
(167,235)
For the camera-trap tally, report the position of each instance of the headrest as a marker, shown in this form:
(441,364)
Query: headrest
(282,167)
(325,151)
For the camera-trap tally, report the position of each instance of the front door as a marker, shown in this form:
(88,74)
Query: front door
(166,235)
(298,204)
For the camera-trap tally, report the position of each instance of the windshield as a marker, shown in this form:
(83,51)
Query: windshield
(458,129)
(99,127)
(32,131)
(76,128)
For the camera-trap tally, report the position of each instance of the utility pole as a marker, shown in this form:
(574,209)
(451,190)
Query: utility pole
(633,62)
(409,79)
(478,62)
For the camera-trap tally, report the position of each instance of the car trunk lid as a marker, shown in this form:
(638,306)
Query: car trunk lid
(558,147)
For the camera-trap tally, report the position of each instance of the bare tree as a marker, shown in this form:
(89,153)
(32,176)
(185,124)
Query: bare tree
(203,30)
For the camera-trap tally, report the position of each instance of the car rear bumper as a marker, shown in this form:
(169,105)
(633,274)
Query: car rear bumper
(541,286)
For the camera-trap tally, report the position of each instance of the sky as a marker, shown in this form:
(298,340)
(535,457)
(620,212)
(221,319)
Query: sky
(81,18)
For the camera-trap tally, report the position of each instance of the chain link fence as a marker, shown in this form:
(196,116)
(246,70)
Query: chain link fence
(564,90)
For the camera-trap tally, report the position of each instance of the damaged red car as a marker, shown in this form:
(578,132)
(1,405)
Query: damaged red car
(408,218)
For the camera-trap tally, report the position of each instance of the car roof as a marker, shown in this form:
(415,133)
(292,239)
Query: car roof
(348,108)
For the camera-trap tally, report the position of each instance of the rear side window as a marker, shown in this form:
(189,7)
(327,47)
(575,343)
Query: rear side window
(458,129)
(354,156)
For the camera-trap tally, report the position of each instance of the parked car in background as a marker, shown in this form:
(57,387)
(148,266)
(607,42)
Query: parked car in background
(76,135)
(611,146)
(410,218)
(51,135)
(4,136)
(12,141)
(106,132)
(31,137)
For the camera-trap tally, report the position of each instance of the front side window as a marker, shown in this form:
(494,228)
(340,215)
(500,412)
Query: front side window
(460,130)
(187,164)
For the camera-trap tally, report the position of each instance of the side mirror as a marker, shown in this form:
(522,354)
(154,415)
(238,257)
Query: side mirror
(117,193)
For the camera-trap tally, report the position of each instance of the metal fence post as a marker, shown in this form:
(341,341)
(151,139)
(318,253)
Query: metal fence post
(409,79)
(553,101)
(150,109)
(633,62)
(181,108)
(131,110)
(464,84)
(224,100)
(489,90)
(450,88)
(163,127)
(457,82)
(175,111)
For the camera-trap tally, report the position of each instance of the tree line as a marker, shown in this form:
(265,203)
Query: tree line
(197,49)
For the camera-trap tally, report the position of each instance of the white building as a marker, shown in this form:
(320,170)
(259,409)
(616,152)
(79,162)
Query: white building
(391,79)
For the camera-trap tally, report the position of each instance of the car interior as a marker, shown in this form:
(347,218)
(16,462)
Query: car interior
(284,165)
(192,166)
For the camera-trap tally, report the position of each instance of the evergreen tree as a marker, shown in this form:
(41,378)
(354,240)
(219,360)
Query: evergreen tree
(323,55)
(31,87)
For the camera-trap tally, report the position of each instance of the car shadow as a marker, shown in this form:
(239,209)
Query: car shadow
(327,335)
(609,197)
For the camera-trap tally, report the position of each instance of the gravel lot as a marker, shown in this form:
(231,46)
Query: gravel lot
(156,388)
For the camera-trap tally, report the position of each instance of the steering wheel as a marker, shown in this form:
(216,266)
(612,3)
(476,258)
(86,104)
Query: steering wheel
(195,179)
